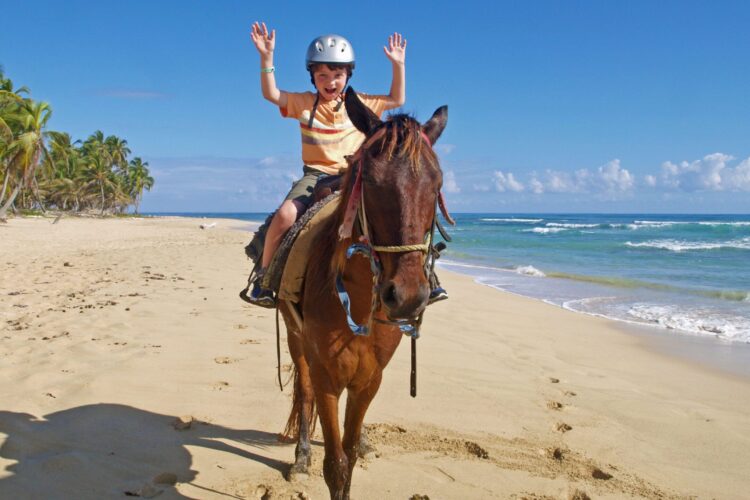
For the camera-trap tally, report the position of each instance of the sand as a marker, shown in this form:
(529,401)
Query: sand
(129,366)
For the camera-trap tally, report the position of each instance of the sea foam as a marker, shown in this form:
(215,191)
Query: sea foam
(527,221)
(727,327)
(567,225)
(545,230)
(683,246)
(530,271)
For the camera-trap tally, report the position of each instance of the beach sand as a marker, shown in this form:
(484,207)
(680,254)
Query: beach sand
(128,363)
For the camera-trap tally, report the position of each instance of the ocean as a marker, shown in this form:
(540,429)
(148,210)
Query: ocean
(689,274)
(684,274)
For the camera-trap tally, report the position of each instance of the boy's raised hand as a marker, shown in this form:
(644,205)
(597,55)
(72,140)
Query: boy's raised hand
(263,41)
(396,49)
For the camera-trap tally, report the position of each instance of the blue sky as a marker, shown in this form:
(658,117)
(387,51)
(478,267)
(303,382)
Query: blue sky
(554,106)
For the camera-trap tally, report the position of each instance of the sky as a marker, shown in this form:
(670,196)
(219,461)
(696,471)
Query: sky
(575,106)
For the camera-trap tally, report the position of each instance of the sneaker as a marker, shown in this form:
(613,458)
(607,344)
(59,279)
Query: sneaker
(260,296)
(437,294)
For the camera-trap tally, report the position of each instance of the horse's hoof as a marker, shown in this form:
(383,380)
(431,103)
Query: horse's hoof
(297,473)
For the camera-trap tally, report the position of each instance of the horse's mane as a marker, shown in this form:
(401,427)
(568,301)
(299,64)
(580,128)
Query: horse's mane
(399,137)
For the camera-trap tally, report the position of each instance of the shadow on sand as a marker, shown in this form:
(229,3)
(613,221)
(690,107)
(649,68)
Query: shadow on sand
(103,450)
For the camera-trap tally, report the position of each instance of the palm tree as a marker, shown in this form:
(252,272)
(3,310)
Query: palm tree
(118,152)
(65,171)
(99,173)
(54,169)
(27,149)
(139,180)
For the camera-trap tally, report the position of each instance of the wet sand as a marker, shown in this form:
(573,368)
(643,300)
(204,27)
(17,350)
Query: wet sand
(131,367)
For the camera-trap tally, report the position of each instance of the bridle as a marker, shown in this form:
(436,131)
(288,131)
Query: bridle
(370,250)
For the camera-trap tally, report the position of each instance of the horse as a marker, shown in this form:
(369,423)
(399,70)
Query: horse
(381,264)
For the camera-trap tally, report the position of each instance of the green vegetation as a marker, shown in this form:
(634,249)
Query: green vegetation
(42,169)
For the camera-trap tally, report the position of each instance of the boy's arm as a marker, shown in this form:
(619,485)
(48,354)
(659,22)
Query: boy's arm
(396,53)
(265,44)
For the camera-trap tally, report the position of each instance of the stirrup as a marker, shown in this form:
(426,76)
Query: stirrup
(258,296)
(437,294)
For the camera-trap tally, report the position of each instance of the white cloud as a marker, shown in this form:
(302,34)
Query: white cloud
(608,180)
(445,149)
(614,177)
(536,186)
(563,182)
(740,176)
(449,182)
(506,182)
(243,184)
(711,173)
(268,161)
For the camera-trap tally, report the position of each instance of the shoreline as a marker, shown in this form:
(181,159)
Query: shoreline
(114,328)
(722,357)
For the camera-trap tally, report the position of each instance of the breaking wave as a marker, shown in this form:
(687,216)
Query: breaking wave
(684,246)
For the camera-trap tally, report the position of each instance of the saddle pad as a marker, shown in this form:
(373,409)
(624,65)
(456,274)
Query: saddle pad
(297,249)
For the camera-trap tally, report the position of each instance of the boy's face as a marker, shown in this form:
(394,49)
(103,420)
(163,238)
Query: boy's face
(329,82)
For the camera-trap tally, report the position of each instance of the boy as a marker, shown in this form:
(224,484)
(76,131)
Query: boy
(327,134)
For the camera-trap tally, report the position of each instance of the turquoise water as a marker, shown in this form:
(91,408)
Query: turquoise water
(689,274)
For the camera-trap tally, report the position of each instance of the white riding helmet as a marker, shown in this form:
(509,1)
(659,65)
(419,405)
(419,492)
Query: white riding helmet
(329,49)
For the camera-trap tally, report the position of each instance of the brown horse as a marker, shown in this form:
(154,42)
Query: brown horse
(392,185)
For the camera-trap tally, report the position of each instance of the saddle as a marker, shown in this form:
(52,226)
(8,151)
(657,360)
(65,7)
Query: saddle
(325,195)
(323,188)
(286,273)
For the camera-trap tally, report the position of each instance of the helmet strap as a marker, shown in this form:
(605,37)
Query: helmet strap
(314,110)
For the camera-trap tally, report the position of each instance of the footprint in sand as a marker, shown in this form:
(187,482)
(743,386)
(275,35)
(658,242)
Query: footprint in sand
(563,427)
(597,473)
(578,495)
(262,492)
(224,360)
(555,453)
(555,405)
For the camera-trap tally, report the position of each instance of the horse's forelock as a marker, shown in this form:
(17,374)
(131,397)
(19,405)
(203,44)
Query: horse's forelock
(401,136)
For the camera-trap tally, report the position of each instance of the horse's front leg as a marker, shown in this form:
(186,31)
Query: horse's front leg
(357,402)
(301,417)
(335,463)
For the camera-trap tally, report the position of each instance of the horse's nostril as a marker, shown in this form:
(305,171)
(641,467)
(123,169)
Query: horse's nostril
(389,295)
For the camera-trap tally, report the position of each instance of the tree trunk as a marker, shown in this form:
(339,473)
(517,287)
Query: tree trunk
(4,208)
(35,192)
(5,185)
(101,187)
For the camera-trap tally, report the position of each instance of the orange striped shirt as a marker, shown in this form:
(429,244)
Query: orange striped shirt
(332,135)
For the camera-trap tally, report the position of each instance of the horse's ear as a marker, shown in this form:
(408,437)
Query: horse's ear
(435,125)
(361,116)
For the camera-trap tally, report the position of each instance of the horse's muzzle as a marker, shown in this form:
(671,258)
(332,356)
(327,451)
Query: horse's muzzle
(404,300)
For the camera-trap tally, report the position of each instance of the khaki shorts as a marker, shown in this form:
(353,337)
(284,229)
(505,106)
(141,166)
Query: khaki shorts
(302,190)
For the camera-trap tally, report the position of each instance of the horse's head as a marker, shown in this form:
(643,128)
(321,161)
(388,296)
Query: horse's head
(400,183)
